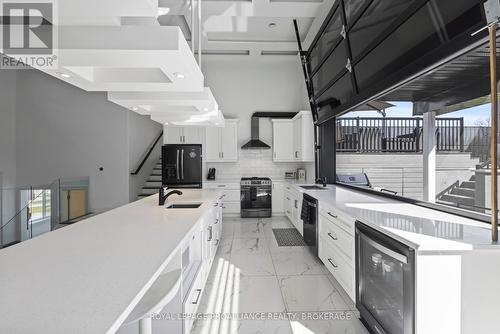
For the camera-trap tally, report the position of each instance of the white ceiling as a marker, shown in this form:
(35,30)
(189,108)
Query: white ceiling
(130,49)
(242,26)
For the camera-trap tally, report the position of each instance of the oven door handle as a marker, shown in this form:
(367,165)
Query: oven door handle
(397,256)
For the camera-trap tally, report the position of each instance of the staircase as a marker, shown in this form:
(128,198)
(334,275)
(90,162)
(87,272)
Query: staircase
(153,183)
(460,194)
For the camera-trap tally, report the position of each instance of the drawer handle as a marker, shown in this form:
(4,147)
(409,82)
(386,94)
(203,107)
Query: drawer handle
(198,297)
(288,198)
(216,242)
(331,236)
(332,215)
(221,185)
(287,211)
(216,222)
(333,264)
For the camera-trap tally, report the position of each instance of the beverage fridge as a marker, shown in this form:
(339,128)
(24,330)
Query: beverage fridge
(385,277)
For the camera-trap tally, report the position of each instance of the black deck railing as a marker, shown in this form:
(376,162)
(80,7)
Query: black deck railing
(396,134)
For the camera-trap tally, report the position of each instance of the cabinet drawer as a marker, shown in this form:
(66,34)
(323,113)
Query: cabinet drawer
(337,266)
(343,221)
(221,185)
(337,237)
(231,195)
(231,208)
(192,301)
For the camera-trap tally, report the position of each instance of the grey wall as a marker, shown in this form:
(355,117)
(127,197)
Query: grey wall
(66,132)
(50,129)
(7,149)
(142,133)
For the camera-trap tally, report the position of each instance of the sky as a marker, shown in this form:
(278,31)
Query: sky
(404,109)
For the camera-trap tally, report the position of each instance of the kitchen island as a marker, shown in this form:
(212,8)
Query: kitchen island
(455,270)
(88,277)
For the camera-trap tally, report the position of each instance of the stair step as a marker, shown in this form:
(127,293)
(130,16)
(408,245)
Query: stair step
(148,191)
(462,200)
(464,192)
(153,183)
(468,184)
(154,178)
(473,178)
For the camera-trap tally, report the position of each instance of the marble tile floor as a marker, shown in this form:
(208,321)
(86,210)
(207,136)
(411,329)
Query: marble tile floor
(252,275)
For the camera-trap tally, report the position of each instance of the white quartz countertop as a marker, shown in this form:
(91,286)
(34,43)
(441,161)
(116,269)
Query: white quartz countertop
(87,277)
(425,229)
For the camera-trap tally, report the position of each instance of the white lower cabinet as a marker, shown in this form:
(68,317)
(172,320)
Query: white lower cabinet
(211,232)
(231,203)
(337,265)
(292,206)
(278,203)
(336,247)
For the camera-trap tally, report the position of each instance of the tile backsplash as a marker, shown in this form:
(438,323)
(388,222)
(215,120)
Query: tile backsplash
(257,162)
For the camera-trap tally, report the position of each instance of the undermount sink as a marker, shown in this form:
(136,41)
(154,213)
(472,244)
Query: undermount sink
(313,187)
(183,206)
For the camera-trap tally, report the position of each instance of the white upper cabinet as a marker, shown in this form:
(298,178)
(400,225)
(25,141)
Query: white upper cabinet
(212,144)
(282,139)
(192,135)
(182,135)
(293,140)
(221,144)
(172,135)
(303,136)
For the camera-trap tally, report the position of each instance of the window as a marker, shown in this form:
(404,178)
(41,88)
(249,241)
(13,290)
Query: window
(386,153)
(40,204)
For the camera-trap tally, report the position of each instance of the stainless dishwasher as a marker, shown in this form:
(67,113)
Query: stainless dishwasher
(309,216)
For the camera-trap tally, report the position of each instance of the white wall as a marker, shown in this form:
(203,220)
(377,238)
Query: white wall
(242,87)
(7,149)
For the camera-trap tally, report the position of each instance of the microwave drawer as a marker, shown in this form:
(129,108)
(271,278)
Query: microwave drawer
(337,237)
(337,265)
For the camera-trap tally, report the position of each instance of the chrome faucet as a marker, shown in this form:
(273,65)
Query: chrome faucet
(162,197)
(323,180)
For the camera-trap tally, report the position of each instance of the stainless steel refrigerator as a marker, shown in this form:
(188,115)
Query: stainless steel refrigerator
(181,165)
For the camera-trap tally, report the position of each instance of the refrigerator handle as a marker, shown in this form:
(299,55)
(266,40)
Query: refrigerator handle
(182,167)
(177,165)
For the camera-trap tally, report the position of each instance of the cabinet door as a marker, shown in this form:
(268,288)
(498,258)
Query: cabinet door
(212,144)
(278,197)
(192,135)
(229,141)
(307,138)
(297,138)
(172,135)
(288,203)
(282,137)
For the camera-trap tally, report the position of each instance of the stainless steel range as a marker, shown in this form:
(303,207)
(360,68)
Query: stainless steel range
(256,195)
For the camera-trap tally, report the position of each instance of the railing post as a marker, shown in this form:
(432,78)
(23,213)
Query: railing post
(358,139)
(461,134)
(417,139)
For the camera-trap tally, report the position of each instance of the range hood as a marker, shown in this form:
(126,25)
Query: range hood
(255,142)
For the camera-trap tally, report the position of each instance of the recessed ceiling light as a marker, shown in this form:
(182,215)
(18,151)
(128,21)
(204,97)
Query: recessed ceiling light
(65,75)
(179,75)
(163,11)
(205,109)
(135,108)
(166,123)
(272,25)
